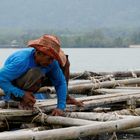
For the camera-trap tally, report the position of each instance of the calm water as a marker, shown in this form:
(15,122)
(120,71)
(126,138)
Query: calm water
(96,59)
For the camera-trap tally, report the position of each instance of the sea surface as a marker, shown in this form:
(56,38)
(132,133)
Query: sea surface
(95,59)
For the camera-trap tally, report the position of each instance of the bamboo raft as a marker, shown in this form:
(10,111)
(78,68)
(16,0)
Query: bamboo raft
(111,107)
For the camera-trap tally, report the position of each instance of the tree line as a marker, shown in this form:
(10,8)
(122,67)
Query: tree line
(96,38)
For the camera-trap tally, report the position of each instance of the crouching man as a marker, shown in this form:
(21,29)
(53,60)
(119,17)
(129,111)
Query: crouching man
(25,71)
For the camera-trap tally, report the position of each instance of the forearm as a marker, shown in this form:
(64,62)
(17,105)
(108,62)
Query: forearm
(58,80)
(9,89)
(61,91)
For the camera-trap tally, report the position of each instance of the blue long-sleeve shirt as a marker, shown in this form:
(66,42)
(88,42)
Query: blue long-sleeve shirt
(20,62)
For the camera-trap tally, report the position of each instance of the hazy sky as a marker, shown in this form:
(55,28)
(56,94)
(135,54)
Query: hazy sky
(70,14)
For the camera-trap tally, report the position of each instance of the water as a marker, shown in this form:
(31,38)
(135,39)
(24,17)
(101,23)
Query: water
(96,59)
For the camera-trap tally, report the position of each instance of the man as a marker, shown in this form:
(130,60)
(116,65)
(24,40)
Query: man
(25,71)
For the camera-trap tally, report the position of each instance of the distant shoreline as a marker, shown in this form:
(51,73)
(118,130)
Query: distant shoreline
(17,47)
(4,46)
(11,46)
(21,46)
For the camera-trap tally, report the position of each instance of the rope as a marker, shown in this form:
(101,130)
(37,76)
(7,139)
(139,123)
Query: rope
(102,118)
(41,115)
(110,116)
(95,82)
(116,83)
(85,72)
(134,112)
(35,118)
(6,121)
(114,136)
(116,115)
(7,105)
(134,75)
(79,138)
(110,77)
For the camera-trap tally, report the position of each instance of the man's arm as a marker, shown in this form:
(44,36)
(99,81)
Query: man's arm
(9,73)
(59,81)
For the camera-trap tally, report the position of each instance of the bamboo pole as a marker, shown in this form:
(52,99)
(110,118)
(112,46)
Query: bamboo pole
(97,116)
(7,104)
(129,88)
(9,114)
(18,115)
(132,131)
(83,75)
(90,102)
(77,82)
(135,111)
(15,112)
(64,121)
(115,74)
(49,102)
(103,117)
(86,87)
(123,73)
(102,102)
(94,101)
(73,132)
(115,90)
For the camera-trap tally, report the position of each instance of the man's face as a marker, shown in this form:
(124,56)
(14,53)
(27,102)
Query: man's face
(42,59)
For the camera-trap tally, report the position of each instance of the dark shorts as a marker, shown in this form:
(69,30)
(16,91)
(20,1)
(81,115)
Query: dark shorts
(31,80)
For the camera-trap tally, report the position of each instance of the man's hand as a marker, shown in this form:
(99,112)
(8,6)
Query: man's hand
(57,112)
(71,100)
(27,101)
